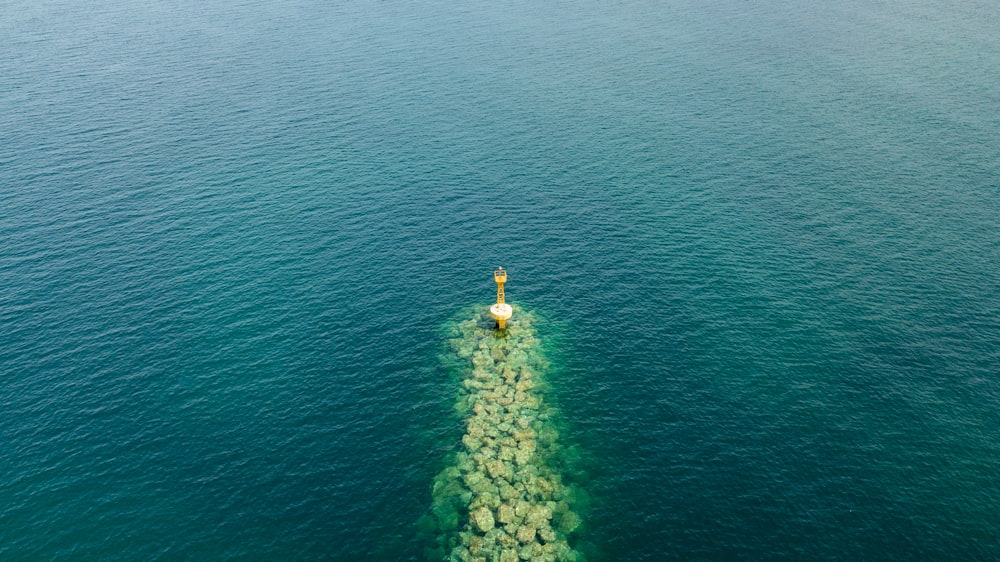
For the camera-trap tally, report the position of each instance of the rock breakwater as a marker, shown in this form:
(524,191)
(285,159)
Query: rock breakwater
(501,499)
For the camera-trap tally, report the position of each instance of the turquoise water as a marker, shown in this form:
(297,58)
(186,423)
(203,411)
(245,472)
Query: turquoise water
(764,236)
(507,492)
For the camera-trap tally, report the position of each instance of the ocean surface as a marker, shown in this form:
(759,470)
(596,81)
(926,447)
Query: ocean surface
(762,240)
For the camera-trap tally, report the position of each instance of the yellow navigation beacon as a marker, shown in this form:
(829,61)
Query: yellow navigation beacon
(501,311)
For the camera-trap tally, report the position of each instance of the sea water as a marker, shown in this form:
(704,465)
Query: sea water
(762,237)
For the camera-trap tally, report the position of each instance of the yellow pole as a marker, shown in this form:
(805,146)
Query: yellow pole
(500,311)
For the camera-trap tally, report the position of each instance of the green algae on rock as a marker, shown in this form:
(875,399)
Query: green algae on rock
(501,499)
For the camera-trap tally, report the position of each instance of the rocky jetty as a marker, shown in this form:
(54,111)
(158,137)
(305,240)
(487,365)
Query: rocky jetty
(502,501)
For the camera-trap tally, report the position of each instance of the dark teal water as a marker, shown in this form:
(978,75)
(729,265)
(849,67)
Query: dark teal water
(764,235)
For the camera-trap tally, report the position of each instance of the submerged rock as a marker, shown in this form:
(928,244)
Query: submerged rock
(501,478)
(547,534)
(526,534)
(569,522)
(505,514)
(482,518)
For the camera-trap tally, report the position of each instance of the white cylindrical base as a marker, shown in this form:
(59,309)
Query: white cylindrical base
(500,313)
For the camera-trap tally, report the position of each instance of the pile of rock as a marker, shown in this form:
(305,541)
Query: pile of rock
(514,505)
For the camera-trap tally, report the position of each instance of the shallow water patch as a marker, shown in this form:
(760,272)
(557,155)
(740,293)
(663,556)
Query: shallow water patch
(501,497)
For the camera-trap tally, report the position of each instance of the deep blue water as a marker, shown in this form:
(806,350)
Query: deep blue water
(765,236)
